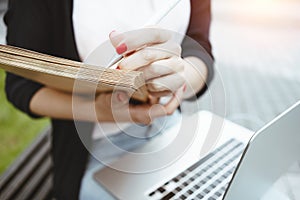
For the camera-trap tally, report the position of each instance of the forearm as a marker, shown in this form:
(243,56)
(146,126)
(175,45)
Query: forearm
(195,74)
(197,48)
(56,104)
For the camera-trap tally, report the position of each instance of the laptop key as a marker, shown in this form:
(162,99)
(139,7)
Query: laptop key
(218,194)
(178,189)
(168,196)
(196,187)
(175,179)
(174,187)
(190,192)
(161,189)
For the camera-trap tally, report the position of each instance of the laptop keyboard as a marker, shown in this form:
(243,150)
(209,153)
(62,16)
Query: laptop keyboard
(206,179)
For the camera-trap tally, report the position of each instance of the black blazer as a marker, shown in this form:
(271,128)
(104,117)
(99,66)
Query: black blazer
(46,26)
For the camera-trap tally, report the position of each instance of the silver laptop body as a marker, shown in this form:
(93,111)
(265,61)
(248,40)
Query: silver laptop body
(237,168)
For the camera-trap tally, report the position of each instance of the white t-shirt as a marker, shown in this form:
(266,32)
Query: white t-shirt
(93,20)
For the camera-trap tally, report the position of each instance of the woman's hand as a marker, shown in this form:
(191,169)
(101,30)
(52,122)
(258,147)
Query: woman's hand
(115,107)
(151,50)
(106,107)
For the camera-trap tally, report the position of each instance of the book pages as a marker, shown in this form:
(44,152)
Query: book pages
(71,76)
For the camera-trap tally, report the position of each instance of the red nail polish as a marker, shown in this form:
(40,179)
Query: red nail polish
(121,48)
(118,67)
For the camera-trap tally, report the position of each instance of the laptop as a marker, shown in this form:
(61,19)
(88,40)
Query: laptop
(241,165)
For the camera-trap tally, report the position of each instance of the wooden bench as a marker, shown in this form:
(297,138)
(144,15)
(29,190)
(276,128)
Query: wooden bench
(30,176)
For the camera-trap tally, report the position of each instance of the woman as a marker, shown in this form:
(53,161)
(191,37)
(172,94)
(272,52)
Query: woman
(55,27)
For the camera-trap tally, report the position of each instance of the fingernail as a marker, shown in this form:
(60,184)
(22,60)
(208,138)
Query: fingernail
(184,88)
(121,48)
(121,97)
(113,33)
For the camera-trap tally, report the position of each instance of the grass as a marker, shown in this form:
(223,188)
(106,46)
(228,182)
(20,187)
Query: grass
(17,130)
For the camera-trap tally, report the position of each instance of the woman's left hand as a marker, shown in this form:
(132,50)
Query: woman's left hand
(152,51)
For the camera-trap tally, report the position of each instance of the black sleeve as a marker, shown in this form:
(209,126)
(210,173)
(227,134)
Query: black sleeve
(27,27)
(197,41)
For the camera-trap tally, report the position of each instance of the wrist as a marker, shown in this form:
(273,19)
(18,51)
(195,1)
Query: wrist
(195,75)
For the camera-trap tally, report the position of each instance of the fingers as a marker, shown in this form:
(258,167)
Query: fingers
(116,38)
(175,101)
(162,68)
(146,113)
(159,110)
(160,60)
(133,40)
(161,94)
(153,99)
(115,108)
(166,83)
(148,55)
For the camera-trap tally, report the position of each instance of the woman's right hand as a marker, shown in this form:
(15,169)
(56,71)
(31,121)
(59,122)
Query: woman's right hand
(115,107)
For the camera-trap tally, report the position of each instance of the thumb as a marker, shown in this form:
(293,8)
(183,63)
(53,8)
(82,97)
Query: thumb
(116,38)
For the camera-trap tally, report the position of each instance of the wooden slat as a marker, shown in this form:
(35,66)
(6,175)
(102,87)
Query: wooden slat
(21,160)
(34,181)
(24,172)
(44,191)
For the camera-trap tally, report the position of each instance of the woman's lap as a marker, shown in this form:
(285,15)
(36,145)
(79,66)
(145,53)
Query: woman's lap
(90,189)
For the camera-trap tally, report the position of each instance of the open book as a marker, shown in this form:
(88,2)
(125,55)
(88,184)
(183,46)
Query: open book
(71,76)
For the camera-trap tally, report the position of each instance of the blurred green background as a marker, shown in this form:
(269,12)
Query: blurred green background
(17,130)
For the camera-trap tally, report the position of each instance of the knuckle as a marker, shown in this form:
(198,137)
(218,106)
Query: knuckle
(155,70)
(147,121)
(173,48)
(170,111)
(156,35)
(179,64)
(141,119)
(151,86)
(177,49)
(157,87)
(148,55)
(179,82)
